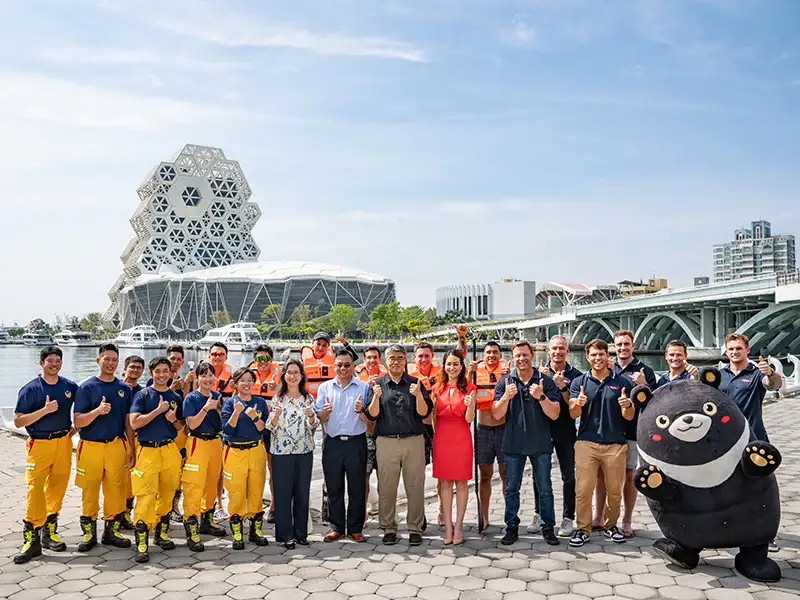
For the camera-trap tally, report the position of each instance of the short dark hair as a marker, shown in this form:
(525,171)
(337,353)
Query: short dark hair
(263,348)
(107,347)
(49,351)
(521,343)
(423,345)
(175,348)
(342,352)
(218,345)
(623,333)
(241,372)
(159,360)
(133,358)
(372,349)
(597,343)
(737,337)
(203,368)
(495,344)
(679,344)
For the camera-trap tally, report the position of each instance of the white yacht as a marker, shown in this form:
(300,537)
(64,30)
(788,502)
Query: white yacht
(37,338)
(238,337)
(141,337)
(4,337)
(75,339)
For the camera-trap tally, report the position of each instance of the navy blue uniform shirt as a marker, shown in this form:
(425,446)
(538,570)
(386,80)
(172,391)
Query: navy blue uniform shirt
(32,397)
(159,429)
(563,428)
(169,383)
(193,404)
(245,430)
(104,427)
(747,390)
(664,379)
(398,413)
(527,429)
(601,417)
(629,371)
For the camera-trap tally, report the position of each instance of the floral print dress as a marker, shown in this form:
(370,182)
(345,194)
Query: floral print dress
(292,434)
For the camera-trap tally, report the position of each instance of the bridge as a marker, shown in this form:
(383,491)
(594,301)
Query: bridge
(765,308)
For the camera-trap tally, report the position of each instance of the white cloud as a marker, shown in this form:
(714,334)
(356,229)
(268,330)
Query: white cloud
(520,33)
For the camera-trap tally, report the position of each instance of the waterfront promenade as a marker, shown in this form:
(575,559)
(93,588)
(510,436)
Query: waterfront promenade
(480,569)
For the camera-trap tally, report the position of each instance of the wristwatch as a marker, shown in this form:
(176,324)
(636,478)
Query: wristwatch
(563,389)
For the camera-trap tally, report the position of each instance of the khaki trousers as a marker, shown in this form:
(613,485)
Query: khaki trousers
(588,457)
(396,456)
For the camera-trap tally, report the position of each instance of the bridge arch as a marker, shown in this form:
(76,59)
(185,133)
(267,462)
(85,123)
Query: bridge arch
(658,328)
(774,329)
(591,329)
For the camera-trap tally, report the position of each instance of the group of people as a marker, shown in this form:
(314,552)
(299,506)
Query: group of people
(223,428)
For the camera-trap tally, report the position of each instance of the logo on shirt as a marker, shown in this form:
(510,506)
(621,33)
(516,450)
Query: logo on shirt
(173,405)
(121,393)
(68,395)
(614,387)
(746,379)
(258,412)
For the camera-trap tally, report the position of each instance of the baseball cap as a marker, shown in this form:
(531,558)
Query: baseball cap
(321,335)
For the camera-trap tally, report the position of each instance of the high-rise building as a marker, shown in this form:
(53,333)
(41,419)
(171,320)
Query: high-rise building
(754,251)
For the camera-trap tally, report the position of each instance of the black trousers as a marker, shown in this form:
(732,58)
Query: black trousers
(565,451)
(292,476)
(346,460)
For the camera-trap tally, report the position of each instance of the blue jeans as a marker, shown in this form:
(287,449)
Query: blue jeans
(515,465)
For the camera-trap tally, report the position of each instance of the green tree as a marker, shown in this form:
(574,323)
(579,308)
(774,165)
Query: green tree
(451,316)
(15,331)
(271,314)
(343,317)
(383,320)
(219,318)
(413,320)
(38,325)
(92,324)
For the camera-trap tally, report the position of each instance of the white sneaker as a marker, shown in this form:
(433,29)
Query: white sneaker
(535,525)
(566,529)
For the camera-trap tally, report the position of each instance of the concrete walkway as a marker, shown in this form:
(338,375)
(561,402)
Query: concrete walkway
(480,569)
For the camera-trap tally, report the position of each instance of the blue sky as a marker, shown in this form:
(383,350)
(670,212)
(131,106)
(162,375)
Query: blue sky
(432,141)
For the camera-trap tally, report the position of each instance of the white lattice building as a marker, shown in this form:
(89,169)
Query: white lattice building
(194,218)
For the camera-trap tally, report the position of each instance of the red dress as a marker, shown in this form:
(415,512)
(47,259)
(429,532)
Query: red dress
(452,440)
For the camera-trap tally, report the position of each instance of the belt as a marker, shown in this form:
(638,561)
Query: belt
(242,445)
(49,436)
(205,436)
(399,436)
(490,426)
(108,441)
(145,444)
(345,438)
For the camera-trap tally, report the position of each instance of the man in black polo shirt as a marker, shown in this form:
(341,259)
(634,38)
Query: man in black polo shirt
(601,398)
(398,407)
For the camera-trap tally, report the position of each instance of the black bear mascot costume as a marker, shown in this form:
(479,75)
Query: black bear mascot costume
(708,481)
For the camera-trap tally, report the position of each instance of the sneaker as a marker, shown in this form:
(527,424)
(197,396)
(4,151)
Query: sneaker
(614,534)
(511,536)
(579,538)
(221,514)
(390,539)
(773,546)
(550,537)
(535,525)
(414,539)
(566,529)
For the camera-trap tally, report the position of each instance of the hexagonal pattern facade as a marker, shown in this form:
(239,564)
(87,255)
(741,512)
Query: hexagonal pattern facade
(194,213)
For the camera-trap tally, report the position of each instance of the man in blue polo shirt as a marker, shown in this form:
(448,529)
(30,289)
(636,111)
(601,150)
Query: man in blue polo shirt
(529,401)
(131,373)
(601,398)
(340,403)
(44,409)
(679,368)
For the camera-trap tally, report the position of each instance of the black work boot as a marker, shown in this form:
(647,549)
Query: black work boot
(236,530)
(31,547)
(176,514)
(111,534)
(255,530)
(89,531)
(192,535)
(207,525)
(160,537)
(127,523)
(141,534)
(50,539)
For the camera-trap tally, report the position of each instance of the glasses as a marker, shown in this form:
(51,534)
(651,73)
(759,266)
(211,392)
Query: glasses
(217,354)
(263,359)
(396,359)
(293,373)
(343,366)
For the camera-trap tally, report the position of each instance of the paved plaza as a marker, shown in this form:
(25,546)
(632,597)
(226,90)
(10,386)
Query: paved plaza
(480,569)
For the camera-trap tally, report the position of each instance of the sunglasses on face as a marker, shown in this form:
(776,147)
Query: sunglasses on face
(264,359)
(216,354)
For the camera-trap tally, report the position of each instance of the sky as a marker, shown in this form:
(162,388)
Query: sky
(435,142)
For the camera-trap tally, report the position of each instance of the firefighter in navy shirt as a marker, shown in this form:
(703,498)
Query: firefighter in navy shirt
(131,372)
(679,368)
(156,416)
(44,409)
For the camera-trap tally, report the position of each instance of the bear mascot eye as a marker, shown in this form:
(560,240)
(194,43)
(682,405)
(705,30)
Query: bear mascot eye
(662,421)
(710,409)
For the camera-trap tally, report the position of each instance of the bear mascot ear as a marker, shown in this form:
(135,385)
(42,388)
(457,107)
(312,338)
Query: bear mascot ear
(710,376)
(641,395)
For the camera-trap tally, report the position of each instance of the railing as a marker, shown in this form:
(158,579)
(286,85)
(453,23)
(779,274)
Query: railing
(788,277)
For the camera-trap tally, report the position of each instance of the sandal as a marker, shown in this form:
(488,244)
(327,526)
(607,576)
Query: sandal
(627,531)
(448,537)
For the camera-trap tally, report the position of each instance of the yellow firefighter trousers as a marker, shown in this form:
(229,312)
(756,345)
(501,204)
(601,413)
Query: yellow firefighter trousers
(244,475)
(201,475)
(154,479)
(106,464)
(47,467)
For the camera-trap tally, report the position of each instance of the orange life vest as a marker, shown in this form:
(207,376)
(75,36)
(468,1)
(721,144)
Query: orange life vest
(364,375)
(485,381)
(318,370)
(223,382)
(427,381)
(262,387)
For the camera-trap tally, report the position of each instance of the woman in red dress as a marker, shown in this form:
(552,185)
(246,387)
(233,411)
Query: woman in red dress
(454,406)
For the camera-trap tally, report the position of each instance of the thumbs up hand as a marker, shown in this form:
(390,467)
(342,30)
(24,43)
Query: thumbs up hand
(511,391)
(50,406)
(252,413)
(376,391)
(163,405)
(461,330)
(537,390)
(765,367)
(104,407)
(171,415)
(276,412)
(543,369)
(469,399)
(238,407)
(327,407)
(624,401)
(558,379)
(692,370)
(582,399)
(639,378)
(358,406)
